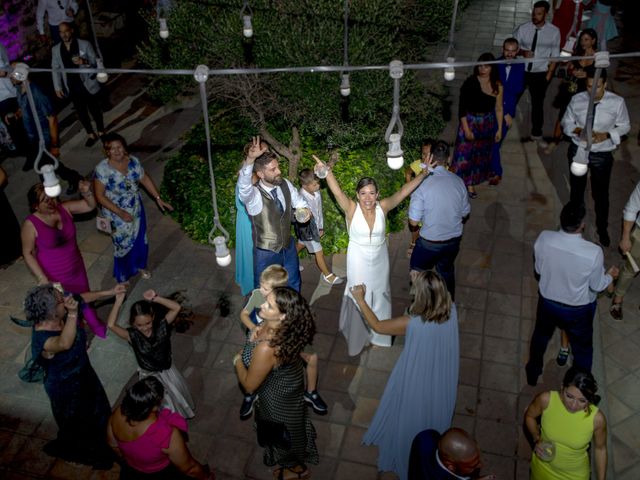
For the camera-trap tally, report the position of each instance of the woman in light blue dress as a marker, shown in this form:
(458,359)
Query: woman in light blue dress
(421,390)
(244,248)
(603,22)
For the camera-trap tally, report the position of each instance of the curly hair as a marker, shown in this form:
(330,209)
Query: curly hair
(40,303)
(431,299)
(296,329)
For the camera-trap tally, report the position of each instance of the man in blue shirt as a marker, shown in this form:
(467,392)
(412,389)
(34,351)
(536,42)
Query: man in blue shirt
(512,79)
(49,124)
(441,204)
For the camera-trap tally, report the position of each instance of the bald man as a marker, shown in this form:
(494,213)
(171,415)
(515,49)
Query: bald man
(452,456)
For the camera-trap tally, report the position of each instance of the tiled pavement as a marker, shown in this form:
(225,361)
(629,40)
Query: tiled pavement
(496,303)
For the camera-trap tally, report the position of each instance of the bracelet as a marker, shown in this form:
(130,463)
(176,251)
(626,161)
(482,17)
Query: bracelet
(236,358)
(72,315)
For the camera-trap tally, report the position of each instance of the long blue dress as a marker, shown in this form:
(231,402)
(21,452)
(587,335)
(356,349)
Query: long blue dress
(244,248)
(420,393)
(78,401)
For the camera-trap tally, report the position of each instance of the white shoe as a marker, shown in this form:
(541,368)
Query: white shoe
(336,279)
(300,268)
(540,141)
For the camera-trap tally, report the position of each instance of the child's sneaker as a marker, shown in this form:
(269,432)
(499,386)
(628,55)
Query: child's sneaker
(316,402)
(247,406)
(563,356)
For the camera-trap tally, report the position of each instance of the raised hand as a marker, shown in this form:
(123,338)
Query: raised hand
(149,295)
(256,149)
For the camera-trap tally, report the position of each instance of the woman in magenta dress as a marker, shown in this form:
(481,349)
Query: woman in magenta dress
(50,248)
(150,438)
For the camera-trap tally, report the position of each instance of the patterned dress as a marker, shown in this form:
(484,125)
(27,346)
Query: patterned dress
(130,246)
(280,400)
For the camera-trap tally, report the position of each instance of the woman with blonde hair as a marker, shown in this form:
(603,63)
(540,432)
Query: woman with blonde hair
(421,390)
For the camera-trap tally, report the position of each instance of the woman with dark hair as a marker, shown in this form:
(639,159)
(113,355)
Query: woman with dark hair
(575,80)
(79,403)
(117,186)
(10,246)
(270,364)
(50,248)
(150,437)
(367,255)
(421,390)
(150,339)
(569,422)
(480,113)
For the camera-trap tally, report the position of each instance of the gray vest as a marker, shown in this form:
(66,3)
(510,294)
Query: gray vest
(272,231)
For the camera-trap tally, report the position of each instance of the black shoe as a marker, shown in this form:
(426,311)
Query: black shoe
(316,402)
(563,356)
(91,141)
(531,378)
(28,165)
(247,406)
(605,241)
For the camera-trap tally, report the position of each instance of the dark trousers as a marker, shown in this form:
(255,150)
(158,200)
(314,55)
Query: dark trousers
(287,257)
(70,175)
(86,103)
(441,255)
(8,108)
(496,160)
(537,85)
(600,165)
(577,322)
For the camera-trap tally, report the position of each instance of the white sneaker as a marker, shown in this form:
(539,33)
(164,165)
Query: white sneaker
(540,141)
(300,268)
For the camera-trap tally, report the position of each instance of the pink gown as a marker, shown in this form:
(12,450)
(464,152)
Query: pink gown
(59,257)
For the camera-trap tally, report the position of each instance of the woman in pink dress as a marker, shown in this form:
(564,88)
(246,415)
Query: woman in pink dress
(50,248)
(150,439)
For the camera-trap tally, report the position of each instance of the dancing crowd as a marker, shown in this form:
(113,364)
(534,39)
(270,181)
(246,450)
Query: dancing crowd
(277,368)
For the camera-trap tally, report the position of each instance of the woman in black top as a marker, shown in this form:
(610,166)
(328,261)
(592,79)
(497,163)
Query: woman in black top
(480,114)
(150,339)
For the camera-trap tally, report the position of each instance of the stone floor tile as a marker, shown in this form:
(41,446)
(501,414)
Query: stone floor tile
(629,432)
(350,470)
(465,422)
(473,259)
(501,350)
(498,406)
(383,358)
(622,454)
(496,438)
(627,389)
(501,466)
(473,277)
(626,353)
(528,307)
(470,320)
(617,411)
(341,406)
(529,286)
(353,449)
(469,297)
(470,345)
(503,326)
(467,400)
(469,371)
(505,281)
(62,470)
(522,470)
(613,371)
(372,384)
(503,303)
(497,376)
(230,455)
(330,437)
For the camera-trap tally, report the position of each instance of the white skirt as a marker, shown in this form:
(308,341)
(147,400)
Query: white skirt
(177,397)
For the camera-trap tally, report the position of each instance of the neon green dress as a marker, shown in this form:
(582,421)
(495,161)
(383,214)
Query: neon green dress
(571,433)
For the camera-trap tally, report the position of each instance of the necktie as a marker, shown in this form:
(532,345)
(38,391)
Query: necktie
(274,194)
(507,71)
(533,49)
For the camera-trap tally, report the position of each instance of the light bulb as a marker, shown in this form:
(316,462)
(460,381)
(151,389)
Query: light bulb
(164,29)
(449,72)
(102,75)
(395,160)
(50,181)
(568,48)
(579,169)
(345,87)
(20,72)
(247,28)
(223,256)
(201,74)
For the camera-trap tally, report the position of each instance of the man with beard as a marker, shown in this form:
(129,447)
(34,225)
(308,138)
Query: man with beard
(269,204)
(450,456)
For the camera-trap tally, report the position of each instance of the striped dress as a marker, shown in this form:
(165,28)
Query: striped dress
(280,400)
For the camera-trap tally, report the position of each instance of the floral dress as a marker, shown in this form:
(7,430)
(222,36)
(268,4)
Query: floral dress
(130,246)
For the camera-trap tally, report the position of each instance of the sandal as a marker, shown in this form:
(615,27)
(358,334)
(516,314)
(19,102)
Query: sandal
(410,249)
(563,356)
(287,473)
(615,310)
(146,274)
(336,279)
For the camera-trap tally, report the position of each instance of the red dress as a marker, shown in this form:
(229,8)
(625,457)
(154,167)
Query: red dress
(563,18)
(59,257)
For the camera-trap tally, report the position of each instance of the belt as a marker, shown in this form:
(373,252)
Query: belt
(441,241)
(566,305)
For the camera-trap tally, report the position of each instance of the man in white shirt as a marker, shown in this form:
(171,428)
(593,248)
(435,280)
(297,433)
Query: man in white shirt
(571,274)
(629,245)
(57,11)
(270,203)
(538,39)
(611,122)
(9,104)
(441,204)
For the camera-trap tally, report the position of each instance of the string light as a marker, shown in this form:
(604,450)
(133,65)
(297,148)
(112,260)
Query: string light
(246,13)
(395,160)
(450,72)
(164,29)
(102,75)
(345,87)
(50,181)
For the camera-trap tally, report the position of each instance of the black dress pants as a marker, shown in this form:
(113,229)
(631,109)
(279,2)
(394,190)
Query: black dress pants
(537,84)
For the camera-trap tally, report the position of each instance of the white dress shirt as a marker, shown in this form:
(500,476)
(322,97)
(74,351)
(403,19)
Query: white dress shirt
(571,268)
(440,203)
(252,199)
(56,11)
(7,89)
(315,205)
(611,117)
(631,209)
(548,44)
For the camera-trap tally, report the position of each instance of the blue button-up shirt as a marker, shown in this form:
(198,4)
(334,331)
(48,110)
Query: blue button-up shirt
(44,109)
(441,202)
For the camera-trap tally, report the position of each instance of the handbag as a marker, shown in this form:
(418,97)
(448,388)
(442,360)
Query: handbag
(32,372)
(273,434)
(103,224)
